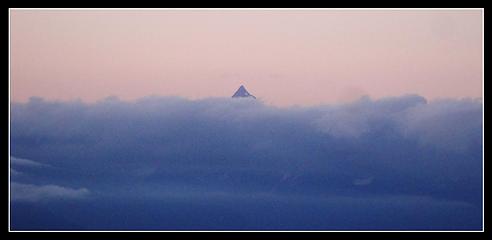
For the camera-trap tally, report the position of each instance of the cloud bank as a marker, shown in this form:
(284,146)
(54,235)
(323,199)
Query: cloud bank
(241,164)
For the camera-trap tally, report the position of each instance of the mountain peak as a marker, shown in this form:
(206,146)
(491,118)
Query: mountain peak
(242,92)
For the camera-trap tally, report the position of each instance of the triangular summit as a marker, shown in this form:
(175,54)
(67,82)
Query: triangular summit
(242,92)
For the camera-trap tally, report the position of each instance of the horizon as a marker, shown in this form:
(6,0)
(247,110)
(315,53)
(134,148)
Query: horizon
(258,99)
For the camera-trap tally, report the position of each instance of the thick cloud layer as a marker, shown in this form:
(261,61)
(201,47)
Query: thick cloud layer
(172,163)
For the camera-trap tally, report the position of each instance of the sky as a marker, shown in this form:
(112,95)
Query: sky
(288,57)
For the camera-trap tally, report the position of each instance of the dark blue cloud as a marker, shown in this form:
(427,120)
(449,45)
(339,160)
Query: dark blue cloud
(172,163)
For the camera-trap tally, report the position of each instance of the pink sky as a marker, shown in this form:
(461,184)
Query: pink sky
(295,57)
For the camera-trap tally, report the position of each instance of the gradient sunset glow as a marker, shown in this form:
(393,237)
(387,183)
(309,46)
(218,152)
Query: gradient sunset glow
(285,57)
